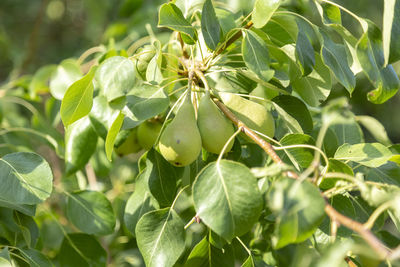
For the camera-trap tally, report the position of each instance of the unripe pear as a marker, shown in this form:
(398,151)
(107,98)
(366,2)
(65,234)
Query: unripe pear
(215,128)
(254,115)
(147,133)
(130,145)
(180,142)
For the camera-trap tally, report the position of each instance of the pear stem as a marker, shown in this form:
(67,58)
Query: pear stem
(335,216)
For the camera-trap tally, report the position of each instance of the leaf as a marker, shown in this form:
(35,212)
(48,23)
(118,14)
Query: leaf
(35,258)
(26,178)
(368,154)
(171,16)
(39,82)
(160,236)
(162,178)
(29,210)
(115,76)
(91,212)
(315,88)
(296,109)
(370,55)
(226,20)
(5,260)
(338,167)
(391,31)
(144,102)
(102,115)
(28,230)
(335,57)
(388,173)
(256,55)
(226,198)
(78,99)
(139,203)
(375,128)
(335,254)
(299,156)
(210,25)
(81,250)
(112,135)
(263,11)
(80,144)
(153,71)
(66,74)
(347,131)
(205,254)
(290,200)
(304,51)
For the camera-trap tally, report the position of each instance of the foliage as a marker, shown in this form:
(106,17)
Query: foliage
(298,183)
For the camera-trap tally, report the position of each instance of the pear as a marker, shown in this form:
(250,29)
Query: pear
(130,145)
(180,142)
(252,114)
(147,133)
(215,128)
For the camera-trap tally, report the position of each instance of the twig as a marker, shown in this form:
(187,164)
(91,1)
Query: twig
(91,176)
(367,235)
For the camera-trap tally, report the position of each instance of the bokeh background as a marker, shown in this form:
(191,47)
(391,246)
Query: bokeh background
(34,33)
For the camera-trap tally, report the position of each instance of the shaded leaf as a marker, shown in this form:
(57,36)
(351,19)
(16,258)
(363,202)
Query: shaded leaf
(210,25)
(368,154)
(375,128)
(35,258)
(25,178)
(91,212)
(205,254)
(388,173)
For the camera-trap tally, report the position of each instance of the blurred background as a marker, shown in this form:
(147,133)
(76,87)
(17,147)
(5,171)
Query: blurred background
(34,33)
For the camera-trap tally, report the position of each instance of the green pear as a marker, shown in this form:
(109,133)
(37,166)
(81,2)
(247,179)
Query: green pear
(252,114)
(147,133)
(180,142)
(215,128)
(130,145)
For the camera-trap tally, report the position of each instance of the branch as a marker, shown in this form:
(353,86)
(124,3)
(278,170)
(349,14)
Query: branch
(357,227)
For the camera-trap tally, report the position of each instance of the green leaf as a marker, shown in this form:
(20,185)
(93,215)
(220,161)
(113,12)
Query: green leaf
(371,58)
(335,254)
(91,212)
(29,231)
(388,173)
(112,135)
(226,198)
(315,88)
(338,167)
(160,236)
(116,76)
(139,203)
(162,178)
(296,109)
(39,82)
(375,128)
(171,16)
(29,210)
(290,200)
(81,250)
(205,254)
(263,11)
(226,20)
(347,131)
(5,260)
(368,154)
(78,99)
(335,57)
(144,102)
(210,25)
(256,55)
(26,178)
(299,156)
(304,51)
(35,258)
(391,31)
(153,71)
(102,115)
(80,144)
(66,74)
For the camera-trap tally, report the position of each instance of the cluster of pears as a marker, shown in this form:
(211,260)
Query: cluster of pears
(182,139)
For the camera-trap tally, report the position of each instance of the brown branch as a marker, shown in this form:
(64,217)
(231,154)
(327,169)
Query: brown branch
(357,227)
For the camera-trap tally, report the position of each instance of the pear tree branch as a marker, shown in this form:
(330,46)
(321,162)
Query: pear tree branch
(357,227)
